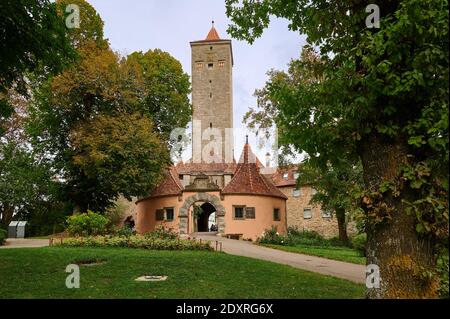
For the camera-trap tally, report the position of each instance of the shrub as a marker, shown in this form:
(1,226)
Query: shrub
(125,231)
(115,214)
(134,241)
(87,224)
(306,237)
(271,236)
(162,232)
(359,243)
(3,235)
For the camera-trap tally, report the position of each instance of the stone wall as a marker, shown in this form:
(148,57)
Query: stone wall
(212,96)
(326,226)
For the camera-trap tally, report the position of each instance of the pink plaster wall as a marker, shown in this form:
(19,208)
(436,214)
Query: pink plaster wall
(253,228)
(249,228)
(146,213)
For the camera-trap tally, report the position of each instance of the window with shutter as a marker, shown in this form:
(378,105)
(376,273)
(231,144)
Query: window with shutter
(250,212)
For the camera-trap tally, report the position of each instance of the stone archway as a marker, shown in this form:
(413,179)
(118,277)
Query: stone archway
(213,200)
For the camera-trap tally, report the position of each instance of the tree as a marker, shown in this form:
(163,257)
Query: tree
(333,179)
(25,182)
(90,26)
(76,117)
(334,186)
(166,88)
(32,38)
(384,100)
(116,154)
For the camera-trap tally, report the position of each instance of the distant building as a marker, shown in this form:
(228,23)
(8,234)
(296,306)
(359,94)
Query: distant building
(300,212)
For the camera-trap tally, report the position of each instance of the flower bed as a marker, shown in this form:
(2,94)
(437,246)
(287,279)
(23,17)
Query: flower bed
(135,241)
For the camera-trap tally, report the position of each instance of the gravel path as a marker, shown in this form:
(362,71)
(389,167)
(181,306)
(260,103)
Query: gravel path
(340,269)
(24,243)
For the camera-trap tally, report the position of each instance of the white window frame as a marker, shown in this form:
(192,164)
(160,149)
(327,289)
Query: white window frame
(310,213)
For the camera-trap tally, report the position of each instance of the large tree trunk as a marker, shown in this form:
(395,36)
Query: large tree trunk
(342,225)
(7,215)
(403,257)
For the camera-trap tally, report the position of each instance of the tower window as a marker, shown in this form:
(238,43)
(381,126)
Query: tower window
(221,64)
(276,214)
(210,81)
(210,65)
(210,48)
(199,65)
(210,125)
(210,95)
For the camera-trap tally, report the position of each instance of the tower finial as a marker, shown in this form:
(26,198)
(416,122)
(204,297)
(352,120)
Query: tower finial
(212,22)
(246,138)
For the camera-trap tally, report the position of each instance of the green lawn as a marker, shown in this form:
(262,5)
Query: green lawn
(40,273)
(330,252)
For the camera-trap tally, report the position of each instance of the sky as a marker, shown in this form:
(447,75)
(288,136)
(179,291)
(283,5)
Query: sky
(140,25)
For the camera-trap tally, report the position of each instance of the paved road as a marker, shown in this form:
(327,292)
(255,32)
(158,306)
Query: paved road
(24,243)
(349,271)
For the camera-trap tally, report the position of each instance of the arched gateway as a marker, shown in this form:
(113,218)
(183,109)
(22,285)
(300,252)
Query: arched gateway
(201,197)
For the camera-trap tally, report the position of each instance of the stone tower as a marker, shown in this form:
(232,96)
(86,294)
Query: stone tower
(212,99)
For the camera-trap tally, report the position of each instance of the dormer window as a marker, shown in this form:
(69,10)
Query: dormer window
(285,175)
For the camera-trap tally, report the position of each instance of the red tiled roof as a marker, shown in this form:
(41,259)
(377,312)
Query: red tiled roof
(189,167)
(281,181)
(169,186)
(212,35)
(248,180)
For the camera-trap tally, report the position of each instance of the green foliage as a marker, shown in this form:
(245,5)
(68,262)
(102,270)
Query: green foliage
(3,235)
(378,96)
(298,237)
(443,275)
(87,224)
(124,231)
(271,236)
(115,213)
(95,119)
(25,183)
(165,92)
(162,232)
(33,38)
(91,24)
(359,242)
(121,152)
(135,241)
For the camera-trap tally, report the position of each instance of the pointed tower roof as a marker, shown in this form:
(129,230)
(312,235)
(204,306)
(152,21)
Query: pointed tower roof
(170,185)
(248,180)
(212,35)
